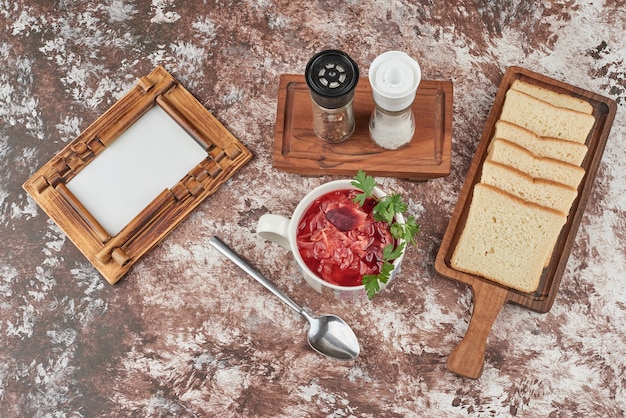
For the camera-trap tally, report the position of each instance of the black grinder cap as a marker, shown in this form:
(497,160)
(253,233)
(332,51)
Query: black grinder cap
(332,77)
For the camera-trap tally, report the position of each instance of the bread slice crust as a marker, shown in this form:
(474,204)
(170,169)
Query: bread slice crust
(506,239)
(545,119)
(554,98)
(558,149)
(513,155)
(547,193)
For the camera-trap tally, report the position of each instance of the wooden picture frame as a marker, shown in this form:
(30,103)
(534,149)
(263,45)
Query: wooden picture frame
(113,252)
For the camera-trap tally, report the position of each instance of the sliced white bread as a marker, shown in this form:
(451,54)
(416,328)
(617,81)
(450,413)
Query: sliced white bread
(508,153)
(506,239)
(552,97)
(542,192)
(559,149)
(545,119)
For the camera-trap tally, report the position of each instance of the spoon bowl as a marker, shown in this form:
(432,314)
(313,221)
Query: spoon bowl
(331,336)
(328,334)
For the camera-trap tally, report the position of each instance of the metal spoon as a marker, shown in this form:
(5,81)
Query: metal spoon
(328,334)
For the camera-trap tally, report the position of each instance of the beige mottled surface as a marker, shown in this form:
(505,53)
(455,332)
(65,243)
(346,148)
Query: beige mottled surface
(185,333)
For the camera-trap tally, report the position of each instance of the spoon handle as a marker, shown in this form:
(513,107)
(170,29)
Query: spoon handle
(234,257)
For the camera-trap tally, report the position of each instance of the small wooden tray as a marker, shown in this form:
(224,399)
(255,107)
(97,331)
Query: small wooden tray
(489,297)
(297,149)
(113,253)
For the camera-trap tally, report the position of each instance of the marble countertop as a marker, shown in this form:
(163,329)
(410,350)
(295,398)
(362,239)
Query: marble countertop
(185,332)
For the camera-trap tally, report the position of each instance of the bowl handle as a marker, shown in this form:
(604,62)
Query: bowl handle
(274,228)
(468,357)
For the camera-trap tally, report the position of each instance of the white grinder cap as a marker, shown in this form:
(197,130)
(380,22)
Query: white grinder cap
(394,77)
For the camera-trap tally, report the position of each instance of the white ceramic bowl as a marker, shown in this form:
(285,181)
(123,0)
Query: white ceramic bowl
(282,230)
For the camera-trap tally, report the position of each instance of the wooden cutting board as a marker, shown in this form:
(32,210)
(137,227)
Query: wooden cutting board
(489,297)
(298,150)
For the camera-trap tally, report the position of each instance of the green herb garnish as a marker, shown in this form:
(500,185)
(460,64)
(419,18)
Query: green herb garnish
(385,210)
(364,183)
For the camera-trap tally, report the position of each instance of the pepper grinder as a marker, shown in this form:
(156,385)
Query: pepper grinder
(332,77)
(394,77)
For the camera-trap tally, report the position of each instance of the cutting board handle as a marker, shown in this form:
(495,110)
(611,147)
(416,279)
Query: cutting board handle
(468,357)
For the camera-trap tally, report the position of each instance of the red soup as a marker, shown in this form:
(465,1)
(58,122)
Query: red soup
(340,241)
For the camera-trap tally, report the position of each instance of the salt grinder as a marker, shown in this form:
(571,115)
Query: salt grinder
(394,77)
(332,77)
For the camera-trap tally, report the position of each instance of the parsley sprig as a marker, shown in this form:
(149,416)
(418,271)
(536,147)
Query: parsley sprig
(385,210)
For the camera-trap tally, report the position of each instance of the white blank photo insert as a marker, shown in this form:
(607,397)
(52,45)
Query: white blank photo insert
(152,155)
